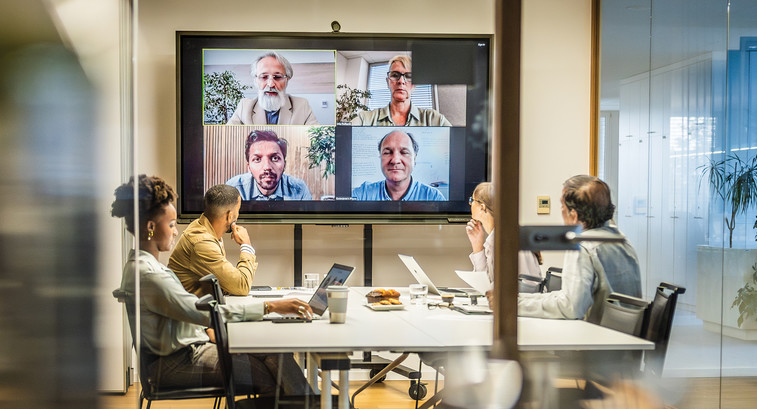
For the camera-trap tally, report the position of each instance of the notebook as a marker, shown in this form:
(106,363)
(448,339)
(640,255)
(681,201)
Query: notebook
(422,278)
(337,275)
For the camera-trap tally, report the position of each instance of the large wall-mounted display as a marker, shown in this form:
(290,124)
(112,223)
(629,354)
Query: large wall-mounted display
(315,128)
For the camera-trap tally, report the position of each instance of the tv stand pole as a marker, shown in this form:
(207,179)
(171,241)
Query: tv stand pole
(368,255)
(298,255)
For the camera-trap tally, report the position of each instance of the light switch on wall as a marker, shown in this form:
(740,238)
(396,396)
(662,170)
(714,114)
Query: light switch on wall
(324,104)
(542,205)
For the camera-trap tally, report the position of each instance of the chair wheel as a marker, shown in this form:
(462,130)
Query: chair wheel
(375,372)
(417,391)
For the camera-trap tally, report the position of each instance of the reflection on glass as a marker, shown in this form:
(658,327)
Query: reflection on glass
(676,97)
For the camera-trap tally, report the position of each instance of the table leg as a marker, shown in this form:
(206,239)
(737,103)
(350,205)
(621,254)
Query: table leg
(344,389)
(312,372)
(381,373)
(326,390)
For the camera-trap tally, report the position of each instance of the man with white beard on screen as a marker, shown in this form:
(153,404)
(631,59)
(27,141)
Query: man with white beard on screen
(273,106)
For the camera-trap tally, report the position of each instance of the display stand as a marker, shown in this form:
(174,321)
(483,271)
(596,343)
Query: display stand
(367,255)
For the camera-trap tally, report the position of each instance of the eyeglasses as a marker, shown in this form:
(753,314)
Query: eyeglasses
(274,77)
(435,305)
(471,200)
(396,75)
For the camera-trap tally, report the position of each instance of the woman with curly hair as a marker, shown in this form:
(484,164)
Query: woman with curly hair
(177,349)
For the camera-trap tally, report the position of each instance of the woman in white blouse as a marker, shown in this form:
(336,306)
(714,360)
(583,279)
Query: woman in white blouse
(480,230)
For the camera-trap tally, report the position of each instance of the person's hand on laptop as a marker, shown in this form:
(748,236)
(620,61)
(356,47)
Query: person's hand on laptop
(291,306)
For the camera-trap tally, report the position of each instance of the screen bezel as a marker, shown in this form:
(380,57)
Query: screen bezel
(401,212)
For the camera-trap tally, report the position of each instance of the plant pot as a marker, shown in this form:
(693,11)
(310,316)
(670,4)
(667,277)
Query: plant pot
(721,272)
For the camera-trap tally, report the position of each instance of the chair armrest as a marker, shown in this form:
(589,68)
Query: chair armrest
(209,277)
(206,303)
(120,295)
(627,299)
(672,287)
(530,277)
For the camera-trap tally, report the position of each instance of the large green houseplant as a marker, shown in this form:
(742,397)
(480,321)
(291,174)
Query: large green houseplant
(734,180)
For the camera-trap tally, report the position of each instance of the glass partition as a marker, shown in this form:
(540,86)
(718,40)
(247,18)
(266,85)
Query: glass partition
(676,145)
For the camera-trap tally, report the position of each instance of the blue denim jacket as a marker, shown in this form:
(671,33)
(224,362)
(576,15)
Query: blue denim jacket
(590,274)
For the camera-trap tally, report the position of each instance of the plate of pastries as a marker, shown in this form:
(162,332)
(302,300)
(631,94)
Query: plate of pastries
(381,299)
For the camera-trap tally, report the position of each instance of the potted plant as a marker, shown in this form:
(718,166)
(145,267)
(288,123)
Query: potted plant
(746,299)
(349,102)
(322,148)
(733,180)
(222,92)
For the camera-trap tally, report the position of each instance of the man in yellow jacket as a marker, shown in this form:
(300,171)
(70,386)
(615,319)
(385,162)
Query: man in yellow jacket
(200,249)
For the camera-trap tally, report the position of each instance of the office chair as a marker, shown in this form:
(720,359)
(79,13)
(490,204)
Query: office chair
(208,303)
(530,284)
(215,288)
(651,321)
(553,282)
(659,324)
(151,390)
(624,313)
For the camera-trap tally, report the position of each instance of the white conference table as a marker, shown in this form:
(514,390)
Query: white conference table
(416,329)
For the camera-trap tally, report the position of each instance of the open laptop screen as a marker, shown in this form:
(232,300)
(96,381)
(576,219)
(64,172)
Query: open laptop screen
(338,275)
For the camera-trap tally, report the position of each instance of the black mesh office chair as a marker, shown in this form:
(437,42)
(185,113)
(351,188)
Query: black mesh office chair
(151,390)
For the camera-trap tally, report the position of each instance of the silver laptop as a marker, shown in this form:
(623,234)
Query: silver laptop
(337,275)
(422,278)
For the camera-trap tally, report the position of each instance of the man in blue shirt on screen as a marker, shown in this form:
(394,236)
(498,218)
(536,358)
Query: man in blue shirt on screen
(266,154)
(398,152)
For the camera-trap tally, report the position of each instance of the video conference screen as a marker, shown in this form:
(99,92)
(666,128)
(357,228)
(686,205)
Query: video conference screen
(332,127)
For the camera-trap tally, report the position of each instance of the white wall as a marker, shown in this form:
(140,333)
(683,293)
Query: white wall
(555,92)
(555,110)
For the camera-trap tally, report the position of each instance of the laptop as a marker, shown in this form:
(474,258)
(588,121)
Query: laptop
(337,275)
(422,278)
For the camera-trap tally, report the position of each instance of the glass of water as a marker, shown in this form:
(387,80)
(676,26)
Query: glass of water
(418,294)
(311,280)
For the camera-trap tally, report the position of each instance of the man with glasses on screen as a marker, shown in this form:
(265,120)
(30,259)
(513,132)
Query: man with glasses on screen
(398,153)
(265,154)
(400,111)
(273,105)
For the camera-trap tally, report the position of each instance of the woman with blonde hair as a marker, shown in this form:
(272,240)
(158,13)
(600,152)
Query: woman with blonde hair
(400,111)
(480,231)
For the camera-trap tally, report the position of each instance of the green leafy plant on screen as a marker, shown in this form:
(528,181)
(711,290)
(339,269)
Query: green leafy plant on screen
(222,91)
(322,148)
(746,299)
(349,102)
